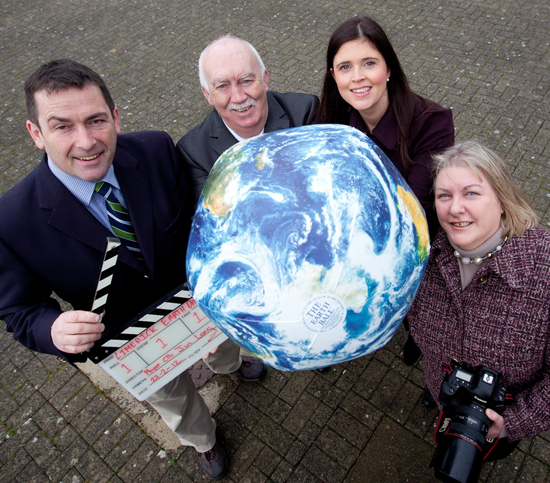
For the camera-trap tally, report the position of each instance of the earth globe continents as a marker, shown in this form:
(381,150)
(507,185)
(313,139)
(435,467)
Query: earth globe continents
(307,247)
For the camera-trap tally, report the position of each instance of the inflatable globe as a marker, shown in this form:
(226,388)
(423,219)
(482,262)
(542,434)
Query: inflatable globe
(307,247)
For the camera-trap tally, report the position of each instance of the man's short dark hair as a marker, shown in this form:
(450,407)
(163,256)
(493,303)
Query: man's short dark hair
(59,75)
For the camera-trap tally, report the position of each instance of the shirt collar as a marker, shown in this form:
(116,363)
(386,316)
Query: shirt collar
(236,136)
(82,189)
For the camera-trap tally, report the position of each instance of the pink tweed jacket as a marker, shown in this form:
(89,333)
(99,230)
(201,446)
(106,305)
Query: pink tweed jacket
(500,320)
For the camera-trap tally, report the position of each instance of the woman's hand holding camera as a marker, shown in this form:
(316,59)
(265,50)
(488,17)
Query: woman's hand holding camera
(497,425)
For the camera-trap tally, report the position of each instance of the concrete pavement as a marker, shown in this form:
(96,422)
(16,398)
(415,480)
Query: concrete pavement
(362,421)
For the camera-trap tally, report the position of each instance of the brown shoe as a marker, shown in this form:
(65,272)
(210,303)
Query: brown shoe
(214,461)
(251,369)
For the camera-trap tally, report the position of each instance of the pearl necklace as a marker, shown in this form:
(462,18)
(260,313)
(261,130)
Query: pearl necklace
(477,260)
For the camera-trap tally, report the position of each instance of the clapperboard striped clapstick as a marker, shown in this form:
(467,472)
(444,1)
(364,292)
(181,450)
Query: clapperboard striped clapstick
(146,319)
(106,275)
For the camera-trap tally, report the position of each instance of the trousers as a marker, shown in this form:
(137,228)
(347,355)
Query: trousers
(181,406)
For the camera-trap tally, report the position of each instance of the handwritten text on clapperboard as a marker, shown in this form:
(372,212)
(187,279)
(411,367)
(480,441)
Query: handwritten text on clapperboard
(164,350)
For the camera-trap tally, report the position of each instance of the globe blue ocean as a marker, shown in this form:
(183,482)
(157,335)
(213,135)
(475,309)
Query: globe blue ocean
(307,246)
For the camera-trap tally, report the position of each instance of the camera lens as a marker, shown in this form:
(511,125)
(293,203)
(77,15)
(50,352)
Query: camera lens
(458,457)
(471,421)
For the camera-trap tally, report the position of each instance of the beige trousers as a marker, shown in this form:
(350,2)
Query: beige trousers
(183,409)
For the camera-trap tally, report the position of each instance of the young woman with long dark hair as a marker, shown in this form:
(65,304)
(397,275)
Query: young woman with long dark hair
(366,88)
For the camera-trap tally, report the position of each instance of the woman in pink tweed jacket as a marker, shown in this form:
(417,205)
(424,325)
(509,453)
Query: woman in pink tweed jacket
(485,297)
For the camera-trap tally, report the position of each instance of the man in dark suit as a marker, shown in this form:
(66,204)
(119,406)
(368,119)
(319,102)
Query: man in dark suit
(53,230)
(234,81)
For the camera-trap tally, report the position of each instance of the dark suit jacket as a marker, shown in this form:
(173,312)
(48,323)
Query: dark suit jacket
(202,146)
(50,241)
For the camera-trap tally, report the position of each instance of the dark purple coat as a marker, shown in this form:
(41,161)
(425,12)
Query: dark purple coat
(500,320)
(431,132)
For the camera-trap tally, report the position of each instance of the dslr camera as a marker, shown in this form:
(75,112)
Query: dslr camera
(460,434)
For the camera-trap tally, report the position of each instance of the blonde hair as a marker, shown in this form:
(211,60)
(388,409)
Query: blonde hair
(518,214)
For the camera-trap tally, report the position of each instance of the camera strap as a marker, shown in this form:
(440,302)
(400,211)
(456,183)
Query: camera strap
(443,423)
(490,445)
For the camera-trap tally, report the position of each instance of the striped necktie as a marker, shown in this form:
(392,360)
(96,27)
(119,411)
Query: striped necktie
(118,217)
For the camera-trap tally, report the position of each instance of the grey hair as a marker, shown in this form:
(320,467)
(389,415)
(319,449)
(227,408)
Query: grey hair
(202,76)
(518,214)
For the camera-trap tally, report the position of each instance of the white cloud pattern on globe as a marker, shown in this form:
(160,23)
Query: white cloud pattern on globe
(307,247)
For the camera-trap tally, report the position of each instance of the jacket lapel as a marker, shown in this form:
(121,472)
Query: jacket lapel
(65,209)
(276,118)
(222,139)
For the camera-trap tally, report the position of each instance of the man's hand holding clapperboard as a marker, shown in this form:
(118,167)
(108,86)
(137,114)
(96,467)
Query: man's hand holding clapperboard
(160,343)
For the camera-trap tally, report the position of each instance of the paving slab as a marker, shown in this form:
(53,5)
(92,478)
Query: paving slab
(487,60)
(393,455)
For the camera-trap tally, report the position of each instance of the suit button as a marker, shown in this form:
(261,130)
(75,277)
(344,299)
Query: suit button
(482,280)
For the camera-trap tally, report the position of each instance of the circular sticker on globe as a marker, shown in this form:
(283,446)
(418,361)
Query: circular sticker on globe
(324,312)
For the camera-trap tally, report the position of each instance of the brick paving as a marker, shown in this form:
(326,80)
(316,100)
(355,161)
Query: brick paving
(361,422)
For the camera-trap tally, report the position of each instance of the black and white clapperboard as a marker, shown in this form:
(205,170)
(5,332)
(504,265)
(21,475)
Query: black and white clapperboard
(159,344)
